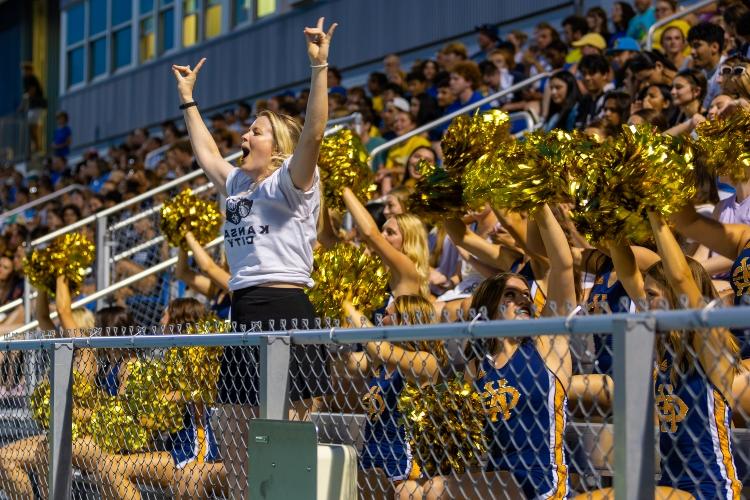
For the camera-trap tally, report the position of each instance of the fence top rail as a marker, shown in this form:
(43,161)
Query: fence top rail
(575,325)
(43,199)
(444,119)
(689,9)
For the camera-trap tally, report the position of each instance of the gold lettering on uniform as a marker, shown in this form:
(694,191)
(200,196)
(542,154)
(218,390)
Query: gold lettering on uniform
(500,399)
(672,409)
(373,402)
(741,277)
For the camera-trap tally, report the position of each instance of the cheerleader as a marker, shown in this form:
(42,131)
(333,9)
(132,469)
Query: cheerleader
(212,283)
(523,383)
(386,446)
(272,207)
(693,377)
(402,245)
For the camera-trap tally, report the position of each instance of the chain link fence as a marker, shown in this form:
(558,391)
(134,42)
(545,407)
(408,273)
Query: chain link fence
(477,409)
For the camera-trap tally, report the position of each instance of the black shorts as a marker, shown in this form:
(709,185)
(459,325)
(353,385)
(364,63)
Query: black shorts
(272,309)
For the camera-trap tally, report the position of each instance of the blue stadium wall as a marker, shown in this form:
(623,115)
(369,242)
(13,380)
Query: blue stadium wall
(270,55)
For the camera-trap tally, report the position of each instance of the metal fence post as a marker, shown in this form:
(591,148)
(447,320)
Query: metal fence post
(102,255)
(26,301)
(61,416)
(274,377)
(633,367)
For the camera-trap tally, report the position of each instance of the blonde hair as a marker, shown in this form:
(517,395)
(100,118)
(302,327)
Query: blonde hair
(83,318)
(414,246)
(286,131)
(417,310)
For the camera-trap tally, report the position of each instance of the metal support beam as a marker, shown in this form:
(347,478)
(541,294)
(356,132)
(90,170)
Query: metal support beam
(274,377)
(633,367)
(103,250)
(61,420)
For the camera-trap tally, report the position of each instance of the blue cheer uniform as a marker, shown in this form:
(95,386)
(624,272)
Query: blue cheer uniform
(526,409)
(740,281)
(194,441)
(386,446)
(695,435)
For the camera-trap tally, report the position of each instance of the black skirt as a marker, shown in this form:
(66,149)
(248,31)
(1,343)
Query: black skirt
(272,309)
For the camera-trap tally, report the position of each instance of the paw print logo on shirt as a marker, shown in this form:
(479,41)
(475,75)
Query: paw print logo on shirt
(238,209)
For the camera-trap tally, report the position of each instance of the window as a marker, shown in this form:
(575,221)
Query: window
(97,16)
(147,45)
(265,8)
(98,57)
(146,7)
(75,66)
(213,18)
(189,22)
(166,30)
(241,11)
(121,11)
(121,41)
(75,23)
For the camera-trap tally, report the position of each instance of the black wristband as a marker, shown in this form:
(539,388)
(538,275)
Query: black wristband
(188,104)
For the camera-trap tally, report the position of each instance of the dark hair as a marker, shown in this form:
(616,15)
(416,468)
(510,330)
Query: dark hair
(428,109)
(379,78)
(185,311)
(62,114)
(557,45)
(647,60)
(395,88)
(666,94)
(628,13)
(375,209)
(74,208)
(335,71)
(622,102)
(415,76)
(487,68)
(571,98)
(245,106)
(577,24)
(707,32)
(696,78)
(544,25)
(743,25)
(602,15)
(594,63)
(654,118)
(424,64)
(113,320)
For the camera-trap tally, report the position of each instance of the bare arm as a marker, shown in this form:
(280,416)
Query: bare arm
(204,147)
(725,239)
(488,253)
(215,272)
(627,271)
(403,270)
(42,311)
(302,165)
(64,311)
(199,283)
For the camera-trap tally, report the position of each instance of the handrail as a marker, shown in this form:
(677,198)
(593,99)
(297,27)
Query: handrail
(528,118)
(108,290)
(677,15)
(11,305)
(159,189)
(43,199)
(443,119)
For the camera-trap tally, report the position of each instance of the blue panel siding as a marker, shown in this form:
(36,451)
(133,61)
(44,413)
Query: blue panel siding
(271,54)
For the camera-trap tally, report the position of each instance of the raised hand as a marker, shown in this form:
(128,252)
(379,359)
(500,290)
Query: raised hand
(318,42)
(186,79)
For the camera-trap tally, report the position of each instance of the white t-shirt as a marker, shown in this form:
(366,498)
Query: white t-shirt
(269,232)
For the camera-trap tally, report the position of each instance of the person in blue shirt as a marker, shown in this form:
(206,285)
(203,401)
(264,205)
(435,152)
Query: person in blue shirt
(643,20)
(62,136)
(465,78)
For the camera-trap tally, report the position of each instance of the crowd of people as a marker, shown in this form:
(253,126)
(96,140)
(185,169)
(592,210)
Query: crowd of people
(499,264)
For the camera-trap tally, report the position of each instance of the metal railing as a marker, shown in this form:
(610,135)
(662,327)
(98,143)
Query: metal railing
(684,11)
(447,118)
(44,199)
(633,351)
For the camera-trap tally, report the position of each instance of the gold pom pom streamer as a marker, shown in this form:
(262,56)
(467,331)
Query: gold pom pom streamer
(194,371)
(436,195)
(444,425)
(347,271)
(469,137)
(115,429)
(343,163)
(85,396)
(186,212)
(637,172)
(149,397)
(725,145)
(67,255)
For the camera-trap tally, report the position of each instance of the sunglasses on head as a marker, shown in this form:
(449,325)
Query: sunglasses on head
(731,70)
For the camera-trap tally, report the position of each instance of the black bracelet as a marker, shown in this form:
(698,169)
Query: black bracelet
(188,104)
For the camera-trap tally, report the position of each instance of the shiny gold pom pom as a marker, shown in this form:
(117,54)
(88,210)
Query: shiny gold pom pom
(85,396)
(115,430)
(347,271)
(469,137)
(67,255)
(436,195)
(149,397)
(725,145)
(343,163)
(444,425)
(186,212)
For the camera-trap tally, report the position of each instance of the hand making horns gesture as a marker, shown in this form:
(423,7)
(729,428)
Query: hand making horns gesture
(318,42)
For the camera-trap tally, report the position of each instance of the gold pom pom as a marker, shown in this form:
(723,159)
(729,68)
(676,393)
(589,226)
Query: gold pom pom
(469,137)
(343,163)
(347,271)
(635,173)
(444,425)
(725,145)
(194,371)
(114,428)
(436,195)
(186,212)
(67,255)
(148,397)
(85,396)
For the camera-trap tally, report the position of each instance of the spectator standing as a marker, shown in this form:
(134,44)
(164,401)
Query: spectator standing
(597,78)
(622,13)
(33,104)
(62,137)
(487,39)
(642,21)
(707,44)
